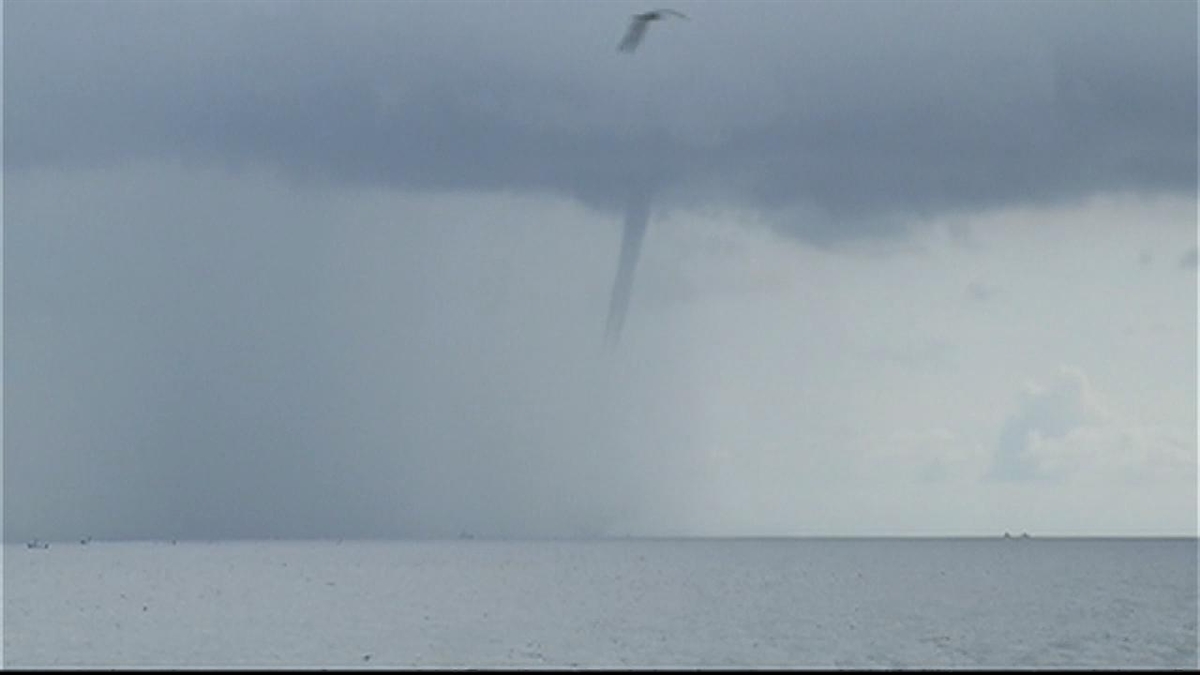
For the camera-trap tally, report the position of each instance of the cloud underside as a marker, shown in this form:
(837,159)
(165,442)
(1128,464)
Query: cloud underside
(1085,99)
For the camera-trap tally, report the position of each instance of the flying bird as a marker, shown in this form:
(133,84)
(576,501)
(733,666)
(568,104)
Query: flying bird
(638,25)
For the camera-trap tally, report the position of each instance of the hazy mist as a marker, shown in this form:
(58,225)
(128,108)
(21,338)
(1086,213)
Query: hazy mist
(315,269)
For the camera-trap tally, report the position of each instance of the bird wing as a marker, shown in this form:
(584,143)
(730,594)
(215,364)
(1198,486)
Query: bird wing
(672,12)
(633,36)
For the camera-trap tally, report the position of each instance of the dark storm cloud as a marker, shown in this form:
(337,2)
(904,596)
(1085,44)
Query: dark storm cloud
(844,118)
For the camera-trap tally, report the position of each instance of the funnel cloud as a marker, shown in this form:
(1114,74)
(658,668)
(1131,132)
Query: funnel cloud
(637,215)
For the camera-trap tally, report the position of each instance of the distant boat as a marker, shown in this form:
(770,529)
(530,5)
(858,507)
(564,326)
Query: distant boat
(37,544)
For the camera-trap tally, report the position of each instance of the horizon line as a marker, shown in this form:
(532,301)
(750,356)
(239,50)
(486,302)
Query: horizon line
(467,537)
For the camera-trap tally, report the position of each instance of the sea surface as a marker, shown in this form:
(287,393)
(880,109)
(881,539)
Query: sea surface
(621,603)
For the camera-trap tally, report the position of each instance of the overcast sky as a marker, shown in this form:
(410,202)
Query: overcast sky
(322,269)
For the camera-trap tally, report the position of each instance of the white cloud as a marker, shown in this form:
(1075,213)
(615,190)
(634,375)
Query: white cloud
(1115,452)
(1061,432)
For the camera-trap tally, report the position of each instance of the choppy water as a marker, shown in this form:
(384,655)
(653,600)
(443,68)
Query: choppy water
(777,603)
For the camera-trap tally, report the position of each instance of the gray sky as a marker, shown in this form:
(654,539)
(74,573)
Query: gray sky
(288,269)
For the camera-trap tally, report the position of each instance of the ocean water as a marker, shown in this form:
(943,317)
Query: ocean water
(698,603)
